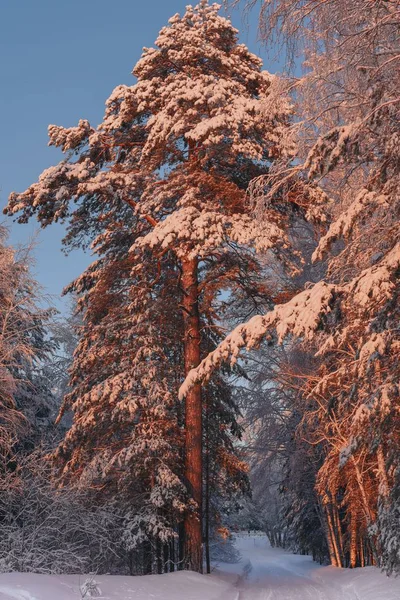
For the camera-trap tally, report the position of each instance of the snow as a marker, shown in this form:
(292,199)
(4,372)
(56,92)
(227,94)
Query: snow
(184,585)
(343,226)
(207,230)
(266,573)
(300,316)
(263,573)
(330,148)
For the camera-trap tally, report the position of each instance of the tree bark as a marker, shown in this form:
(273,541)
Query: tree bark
(159,551)
(339,536)
(382,475)
(368,513)
(147,558)
(353,541)
(193,416)
(331,539)
(207,494)
(181,547)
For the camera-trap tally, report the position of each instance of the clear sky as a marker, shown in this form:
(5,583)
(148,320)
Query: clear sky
(60,60)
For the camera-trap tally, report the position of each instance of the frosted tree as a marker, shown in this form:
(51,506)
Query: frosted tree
(173,157)
(348,163)
(49,530)
(123,376)
(64,333)
(225,470)
(26,400)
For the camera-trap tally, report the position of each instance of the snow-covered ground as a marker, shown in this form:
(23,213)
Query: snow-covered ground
(263,573)
(272,574)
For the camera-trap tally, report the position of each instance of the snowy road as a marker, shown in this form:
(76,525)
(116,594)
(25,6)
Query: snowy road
(271,574)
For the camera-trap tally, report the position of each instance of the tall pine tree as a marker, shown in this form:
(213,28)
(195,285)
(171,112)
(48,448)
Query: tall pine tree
(159,187)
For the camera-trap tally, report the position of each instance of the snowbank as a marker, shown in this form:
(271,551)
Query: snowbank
(173,586)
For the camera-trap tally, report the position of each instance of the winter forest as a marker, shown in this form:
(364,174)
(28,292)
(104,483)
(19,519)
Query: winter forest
(230,361)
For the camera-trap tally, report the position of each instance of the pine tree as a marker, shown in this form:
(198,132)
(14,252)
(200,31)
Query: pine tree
(173,156)
(125,369)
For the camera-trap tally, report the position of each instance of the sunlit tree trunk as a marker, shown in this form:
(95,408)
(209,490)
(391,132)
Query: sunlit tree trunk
(339,535)
(362,554)
(353,541)
(332,541)
(193,415)
(367,511)
(328,534)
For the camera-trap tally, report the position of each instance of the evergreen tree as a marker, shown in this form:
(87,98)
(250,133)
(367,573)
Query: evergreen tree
(159,188)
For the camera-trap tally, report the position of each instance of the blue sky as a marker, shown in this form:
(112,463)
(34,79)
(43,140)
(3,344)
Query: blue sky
(60,61)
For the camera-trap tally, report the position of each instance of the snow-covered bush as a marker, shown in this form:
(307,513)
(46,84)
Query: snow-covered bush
(90,589)
(45,529)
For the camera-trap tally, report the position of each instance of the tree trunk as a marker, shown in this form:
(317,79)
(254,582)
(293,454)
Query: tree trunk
(339,536)
(181,546)
(329,539)
(207,495)
(147,558)
(332,541)
(368,513)
(193,413)
(382,475)
(159,553)
(166,558)
(172,555)
(353,541)
(362,553)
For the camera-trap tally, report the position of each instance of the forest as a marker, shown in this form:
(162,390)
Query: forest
(231,358)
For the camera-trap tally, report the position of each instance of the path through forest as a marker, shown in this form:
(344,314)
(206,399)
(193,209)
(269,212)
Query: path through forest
(266,573)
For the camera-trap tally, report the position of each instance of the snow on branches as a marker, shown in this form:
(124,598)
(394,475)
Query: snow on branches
(197,232)
(302,316)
